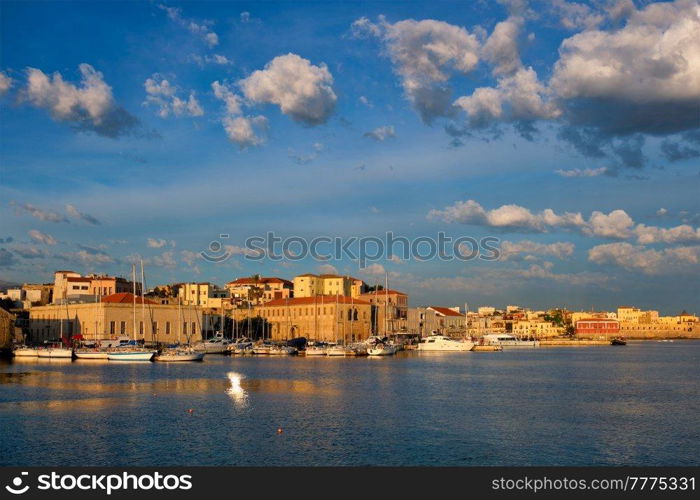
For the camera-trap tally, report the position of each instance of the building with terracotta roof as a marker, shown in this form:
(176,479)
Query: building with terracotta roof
(202,294)
(257,290)
(69,285)
(112,317)
(323,318)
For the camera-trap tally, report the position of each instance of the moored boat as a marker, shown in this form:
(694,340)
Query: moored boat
(508,341)
(56,352)
(179,354)
(442,343)
(91,353)
(24,351)
(335,350)
(381,349)
(315,350)
(618,341)
(131,355)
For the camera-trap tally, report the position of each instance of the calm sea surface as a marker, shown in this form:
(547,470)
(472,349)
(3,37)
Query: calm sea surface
(602,405)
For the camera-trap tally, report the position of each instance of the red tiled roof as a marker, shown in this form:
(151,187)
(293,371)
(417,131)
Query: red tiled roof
(320,300)
(125,298)
(445,311)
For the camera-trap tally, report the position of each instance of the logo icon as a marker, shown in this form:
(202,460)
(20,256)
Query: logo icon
(17,483)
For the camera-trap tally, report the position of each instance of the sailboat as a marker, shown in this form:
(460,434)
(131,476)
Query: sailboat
(335,349)
(180,353)
(132,353)
(94,352)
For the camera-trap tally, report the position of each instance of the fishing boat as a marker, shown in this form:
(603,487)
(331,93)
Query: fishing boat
(618,341)
(23,351)
(442,343)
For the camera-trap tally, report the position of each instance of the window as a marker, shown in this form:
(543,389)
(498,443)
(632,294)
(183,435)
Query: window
(154,327)
(194,328)
(122,327)
(167,327)
(184,327)
(141,328)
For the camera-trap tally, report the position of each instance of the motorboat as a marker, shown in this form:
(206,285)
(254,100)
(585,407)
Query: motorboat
(315,350)
(178,354)
(282,350)
(23,351)
(442,343)
(507,340)
(618,341)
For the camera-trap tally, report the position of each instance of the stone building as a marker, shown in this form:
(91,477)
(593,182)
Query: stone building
(390,312)
(116,316)
(310,285)
(434,320)
(259,289)
(7,328)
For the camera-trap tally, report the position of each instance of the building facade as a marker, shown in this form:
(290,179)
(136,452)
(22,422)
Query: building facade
(431,320)
(113,317)
(257,290)
(310,285)
(321,318)
(203,294)
(69,285)
(390,312)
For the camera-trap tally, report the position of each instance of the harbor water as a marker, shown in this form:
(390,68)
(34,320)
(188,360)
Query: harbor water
(600,405)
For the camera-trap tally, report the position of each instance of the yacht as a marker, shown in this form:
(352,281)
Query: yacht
(315,350)
(336,350)
(23,351)
(214,345)
(137,354)
(507,340)
(381,349)
(442,343)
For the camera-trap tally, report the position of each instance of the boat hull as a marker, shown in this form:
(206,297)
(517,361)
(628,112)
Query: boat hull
(25,352)
(174,358)
(92,355)
(56,353)
(131,356)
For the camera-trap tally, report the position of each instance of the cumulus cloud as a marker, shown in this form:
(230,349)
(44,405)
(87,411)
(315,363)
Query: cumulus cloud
(5,83)
(576,16)
(648,261)
(40,237)
(89,106)
(501,48)
(613,81)
(34,211)
(74,212)
(156,243)
(202,30)
(424,55)
(614,225)
(225,94)
(161,93)
(218,59)
(578,172)
(380,134)
(512,250)
(302,90)
(246,131)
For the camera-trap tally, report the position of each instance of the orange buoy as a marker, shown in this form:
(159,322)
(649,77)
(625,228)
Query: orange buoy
(279,430)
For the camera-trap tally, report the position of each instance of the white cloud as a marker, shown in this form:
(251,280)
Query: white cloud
(424,55)
(576,16)
(189,257)
(501,49)
(156,243)
(30,252)
(679,234)
(586,172)
(166,259)
(380,134)
(246,131)
(200,29)
(40,237)
(616,224)
(327,269)
(161,93)
(224,93)
(302,90)
(91,105)
(511,250)
(5,83)
(648,261)
(74,212)
(365,101)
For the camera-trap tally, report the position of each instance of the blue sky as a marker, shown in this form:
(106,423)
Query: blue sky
(570,131)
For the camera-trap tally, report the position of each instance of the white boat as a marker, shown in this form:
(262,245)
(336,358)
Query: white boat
(131,355)
(261,349)
(25,352)
(91,353)
(442,343)
(179,354)
(315,350)
(507,340)
(55,352)
(381,349)
(282,350)
(335,350)
(214,345)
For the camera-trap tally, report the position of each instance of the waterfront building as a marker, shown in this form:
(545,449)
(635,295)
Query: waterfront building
(486,311)
(257,290)
(536,328)
(112,317)
(70,285)
(431,320)
(310,285)
(390,311)
(7,328)
(323,318)
(597,327)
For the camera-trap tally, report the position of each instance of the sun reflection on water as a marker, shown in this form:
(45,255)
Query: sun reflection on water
(237,393)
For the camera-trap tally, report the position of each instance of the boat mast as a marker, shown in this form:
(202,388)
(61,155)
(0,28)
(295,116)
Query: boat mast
(466,320)
(386,304)
(179,317)
(133,283)
(143,302)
